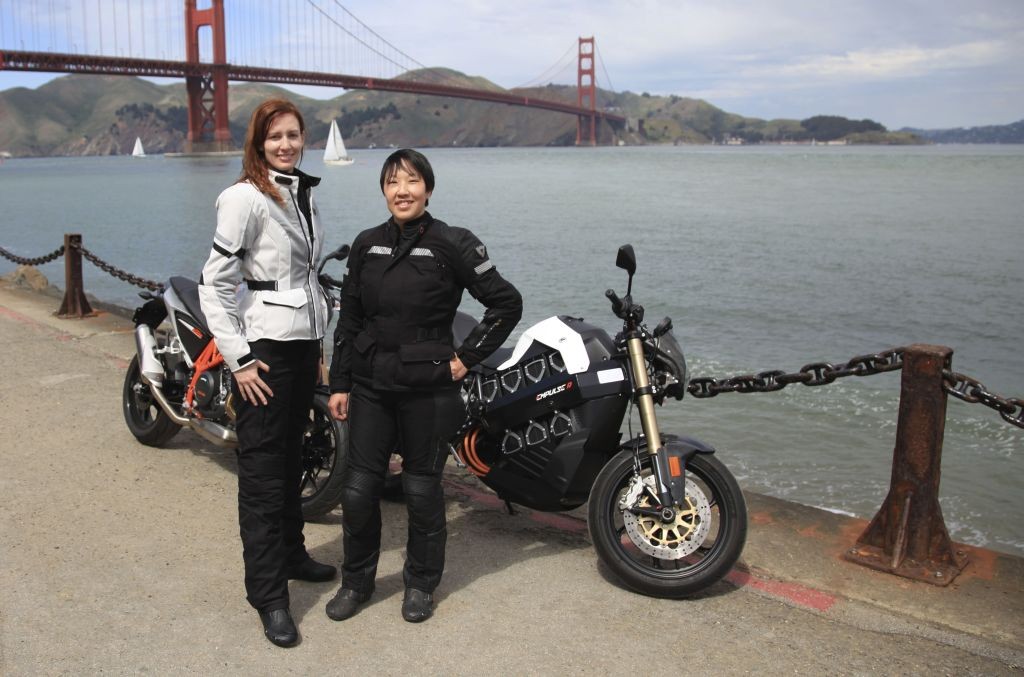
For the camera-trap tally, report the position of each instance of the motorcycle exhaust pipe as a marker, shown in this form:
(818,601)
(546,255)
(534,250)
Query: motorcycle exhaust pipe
(149,364)
(213,432)
(161,399)
(208,430)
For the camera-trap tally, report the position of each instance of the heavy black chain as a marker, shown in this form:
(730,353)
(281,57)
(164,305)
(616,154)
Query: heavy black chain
(117,272)
(971,390)
(814,374)
(821,373)
(38,261)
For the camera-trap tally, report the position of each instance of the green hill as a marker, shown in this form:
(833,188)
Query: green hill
(1011,133)
(102,115)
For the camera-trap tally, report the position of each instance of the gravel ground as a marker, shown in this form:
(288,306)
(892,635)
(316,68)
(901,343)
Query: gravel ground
(122,559)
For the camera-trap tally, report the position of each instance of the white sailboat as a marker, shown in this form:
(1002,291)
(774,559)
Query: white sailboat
(334,151)
(138,151)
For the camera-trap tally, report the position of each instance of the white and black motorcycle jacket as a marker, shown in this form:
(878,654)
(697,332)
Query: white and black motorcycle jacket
(260,280)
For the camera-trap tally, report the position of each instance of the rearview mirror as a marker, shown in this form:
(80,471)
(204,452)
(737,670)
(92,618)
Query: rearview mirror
(626,259)
(340,253)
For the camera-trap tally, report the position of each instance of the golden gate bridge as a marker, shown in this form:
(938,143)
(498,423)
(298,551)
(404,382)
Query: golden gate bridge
(321,42)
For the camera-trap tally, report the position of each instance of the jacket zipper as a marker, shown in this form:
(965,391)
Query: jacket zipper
(309,255)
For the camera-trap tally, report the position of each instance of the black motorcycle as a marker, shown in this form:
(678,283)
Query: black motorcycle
(543,431)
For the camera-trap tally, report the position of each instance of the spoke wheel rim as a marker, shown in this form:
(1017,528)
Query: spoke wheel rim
(141,405)
(318,454)
(701,555)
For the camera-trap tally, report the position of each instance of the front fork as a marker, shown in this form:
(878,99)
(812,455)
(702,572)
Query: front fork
(668,471)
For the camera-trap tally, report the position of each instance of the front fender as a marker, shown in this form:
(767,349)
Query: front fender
(676,446)
(680,446)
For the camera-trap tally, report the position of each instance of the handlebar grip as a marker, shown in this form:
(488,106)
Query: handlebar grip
(328,281)
(616,301)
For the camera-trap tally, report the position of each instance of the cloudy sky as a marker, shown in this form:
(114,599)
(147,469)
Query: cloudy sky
(919,63)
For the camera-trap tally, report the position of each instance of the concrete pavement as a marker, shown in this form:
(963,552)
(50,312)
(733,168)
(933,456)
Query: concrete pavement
(122,559)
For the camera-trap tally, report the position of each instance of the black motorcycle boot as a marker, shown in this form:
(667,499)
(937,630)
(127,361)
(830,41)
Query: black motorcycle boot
(417,606)
(279,627)
(346,603)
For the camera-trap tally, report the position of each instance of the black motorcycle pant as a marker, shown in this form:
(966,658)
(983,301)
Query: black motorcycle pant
(270,469)
(418,426)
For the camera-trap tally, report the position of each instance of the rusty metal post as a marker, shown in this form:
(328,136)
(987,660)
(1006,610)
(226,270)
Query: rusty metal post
(908,536)
(74,304)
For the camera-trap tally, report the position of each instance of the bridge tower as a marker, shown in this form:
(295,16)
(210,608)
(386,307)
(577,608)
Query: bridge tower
(586,91)
(207,92)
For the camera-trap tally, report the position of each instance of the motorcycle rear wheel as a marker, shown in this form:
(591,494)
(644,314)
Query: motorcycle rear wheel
(324,451)
(146,420)
(709,560)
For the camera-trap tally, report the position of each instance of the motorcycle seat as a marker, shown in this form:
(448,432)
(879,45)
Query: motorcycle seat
(188,291)
(497,357)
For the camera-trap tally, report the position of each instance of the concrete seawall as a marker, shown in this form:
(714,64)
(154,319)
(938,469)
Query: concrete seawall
(120,558)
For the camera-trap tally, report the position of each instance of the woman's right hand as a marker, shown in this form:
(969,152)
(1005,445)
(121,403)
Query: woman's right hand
(253,389)
(338,406)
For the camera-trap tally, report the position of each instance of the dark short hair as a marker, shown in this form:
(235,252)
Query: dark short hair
(411,159)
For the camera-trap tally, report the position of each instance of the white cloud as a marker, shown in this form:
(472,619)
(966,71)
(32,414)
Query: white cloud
(899,62)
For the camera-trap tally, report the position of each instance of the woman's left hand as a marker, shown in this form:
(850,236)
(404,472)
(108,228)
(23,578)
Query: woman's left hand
(459,370)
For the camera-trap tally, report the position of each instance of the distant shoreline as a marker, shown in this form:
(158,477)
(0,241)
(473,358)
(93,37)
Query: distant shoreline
(798,144)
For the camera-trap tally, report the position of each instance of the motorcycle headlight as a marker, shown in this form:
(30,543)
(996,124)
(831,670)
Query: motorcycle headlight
(670,365)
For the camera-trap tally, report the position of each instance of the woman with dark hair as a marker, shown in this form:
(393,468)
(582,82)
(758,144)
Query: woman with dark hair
(269,331)
(395,374)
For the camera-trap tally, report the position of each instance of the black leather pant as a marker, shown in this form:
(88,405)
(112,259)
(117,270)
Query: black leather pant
(417,425)
(270,469)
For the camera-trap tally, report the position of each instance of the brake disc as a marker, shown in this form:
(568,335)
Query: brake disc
(666,540)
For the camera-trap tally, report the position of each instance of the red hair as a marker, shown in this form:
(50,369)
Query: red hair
(255,169)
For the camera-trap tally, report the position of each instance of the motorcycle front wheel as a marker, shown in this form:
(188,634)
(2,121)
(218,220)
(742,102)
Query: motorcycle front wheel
(144,417)
(324,450)
(668,560)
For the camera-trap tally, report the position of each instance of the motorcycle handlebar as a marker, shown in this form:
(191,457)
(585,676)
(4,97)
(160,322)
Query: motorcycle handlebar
(339,254)
(616,302)
(328,281)
(624,308)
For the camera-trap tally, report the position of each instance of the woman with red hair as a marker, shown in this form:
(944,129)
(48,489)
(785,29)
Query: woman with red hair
(263,303)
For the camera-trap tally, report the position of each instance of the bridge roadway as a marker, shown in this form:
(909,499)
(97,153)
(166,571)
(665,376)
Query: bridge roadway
(120,558)
(110,65)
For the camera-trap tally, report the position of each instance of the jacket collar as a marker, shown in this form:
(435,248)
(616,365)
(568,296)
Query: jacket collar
(406,237)
(420,224)
(297,178)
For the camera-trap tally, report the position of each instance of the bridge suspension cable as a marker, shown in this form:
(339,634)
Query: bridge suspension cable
(293,38)
(377,35)
(95,27)
(608,80)
(358,39)
(563,64)
(411,63)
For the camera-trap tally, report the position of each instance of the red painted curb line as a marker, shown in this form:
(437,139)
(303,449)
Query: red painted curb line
(793,593)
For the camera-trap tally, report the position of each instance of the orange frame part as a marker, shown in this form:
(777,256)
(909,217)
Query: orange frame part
(208,359)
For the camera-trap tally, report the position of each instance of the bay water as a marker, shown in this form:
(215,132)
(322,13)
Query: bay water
(764,257)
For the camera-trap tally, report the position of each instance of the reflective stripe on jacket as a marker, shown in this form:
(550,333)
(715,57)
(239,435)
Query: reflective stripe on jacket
(399,299)
(275,245)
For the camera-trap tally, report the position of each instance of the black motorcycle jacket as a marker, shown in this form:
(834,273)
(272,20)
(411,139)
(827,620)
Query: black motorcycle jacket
(398,300)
